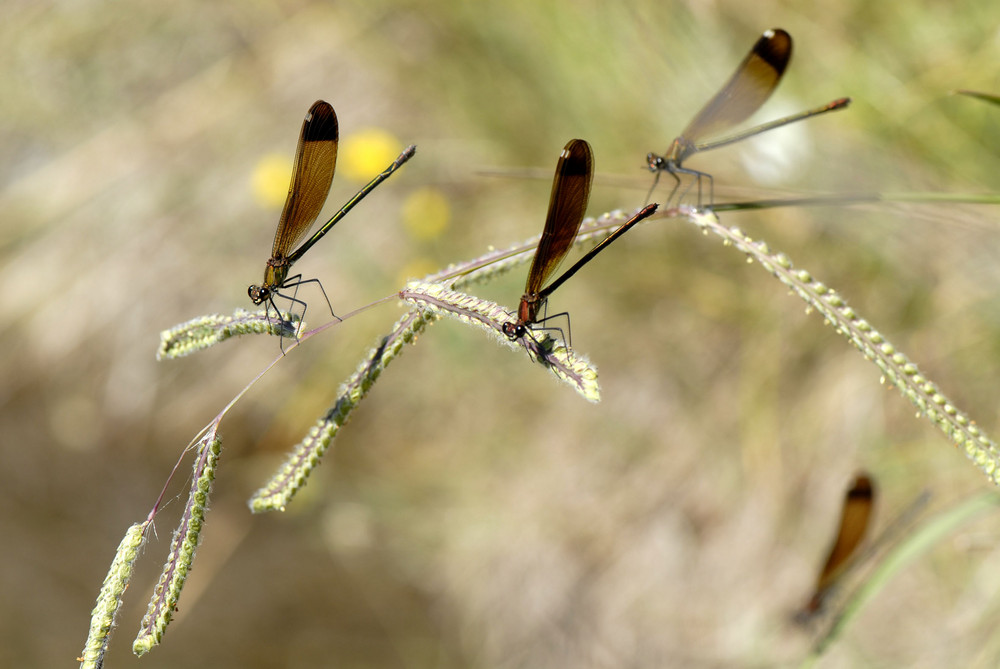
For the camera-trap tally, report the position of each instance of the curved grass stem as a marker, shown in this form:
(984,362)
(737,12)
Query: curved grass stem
(896,368)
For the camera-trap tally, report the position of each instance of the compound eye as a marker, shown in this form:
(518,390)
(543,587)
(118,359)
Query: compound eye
(514,330)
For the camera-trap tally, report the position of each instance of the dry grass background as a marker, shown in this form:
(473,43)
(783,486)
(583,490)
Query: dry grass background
(474,512)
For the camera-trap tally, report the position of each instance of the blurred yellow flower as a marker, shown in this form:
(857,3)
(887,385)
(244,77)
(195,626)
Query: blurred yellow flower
(426,213)
(270,180)
(366,153)
(416,269)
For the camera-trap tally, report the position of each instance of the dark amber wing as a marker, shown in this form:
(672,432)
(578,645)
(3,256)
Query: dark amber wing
(854,521)
(749,87)
(312,174)
(641,215)
(567,205)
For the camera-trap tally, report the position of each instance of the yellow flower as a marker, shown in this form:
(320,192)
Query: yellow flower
(418,267)
(426,213)
(270,180)
(366,153)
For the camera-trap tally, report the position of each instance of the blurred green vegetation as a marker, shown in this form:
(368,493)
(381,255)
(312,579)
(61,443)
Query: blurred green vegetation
(475,513)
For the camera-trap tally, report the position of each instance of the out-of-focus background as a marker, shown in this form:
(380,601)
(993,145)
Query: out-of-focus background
(475,512)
